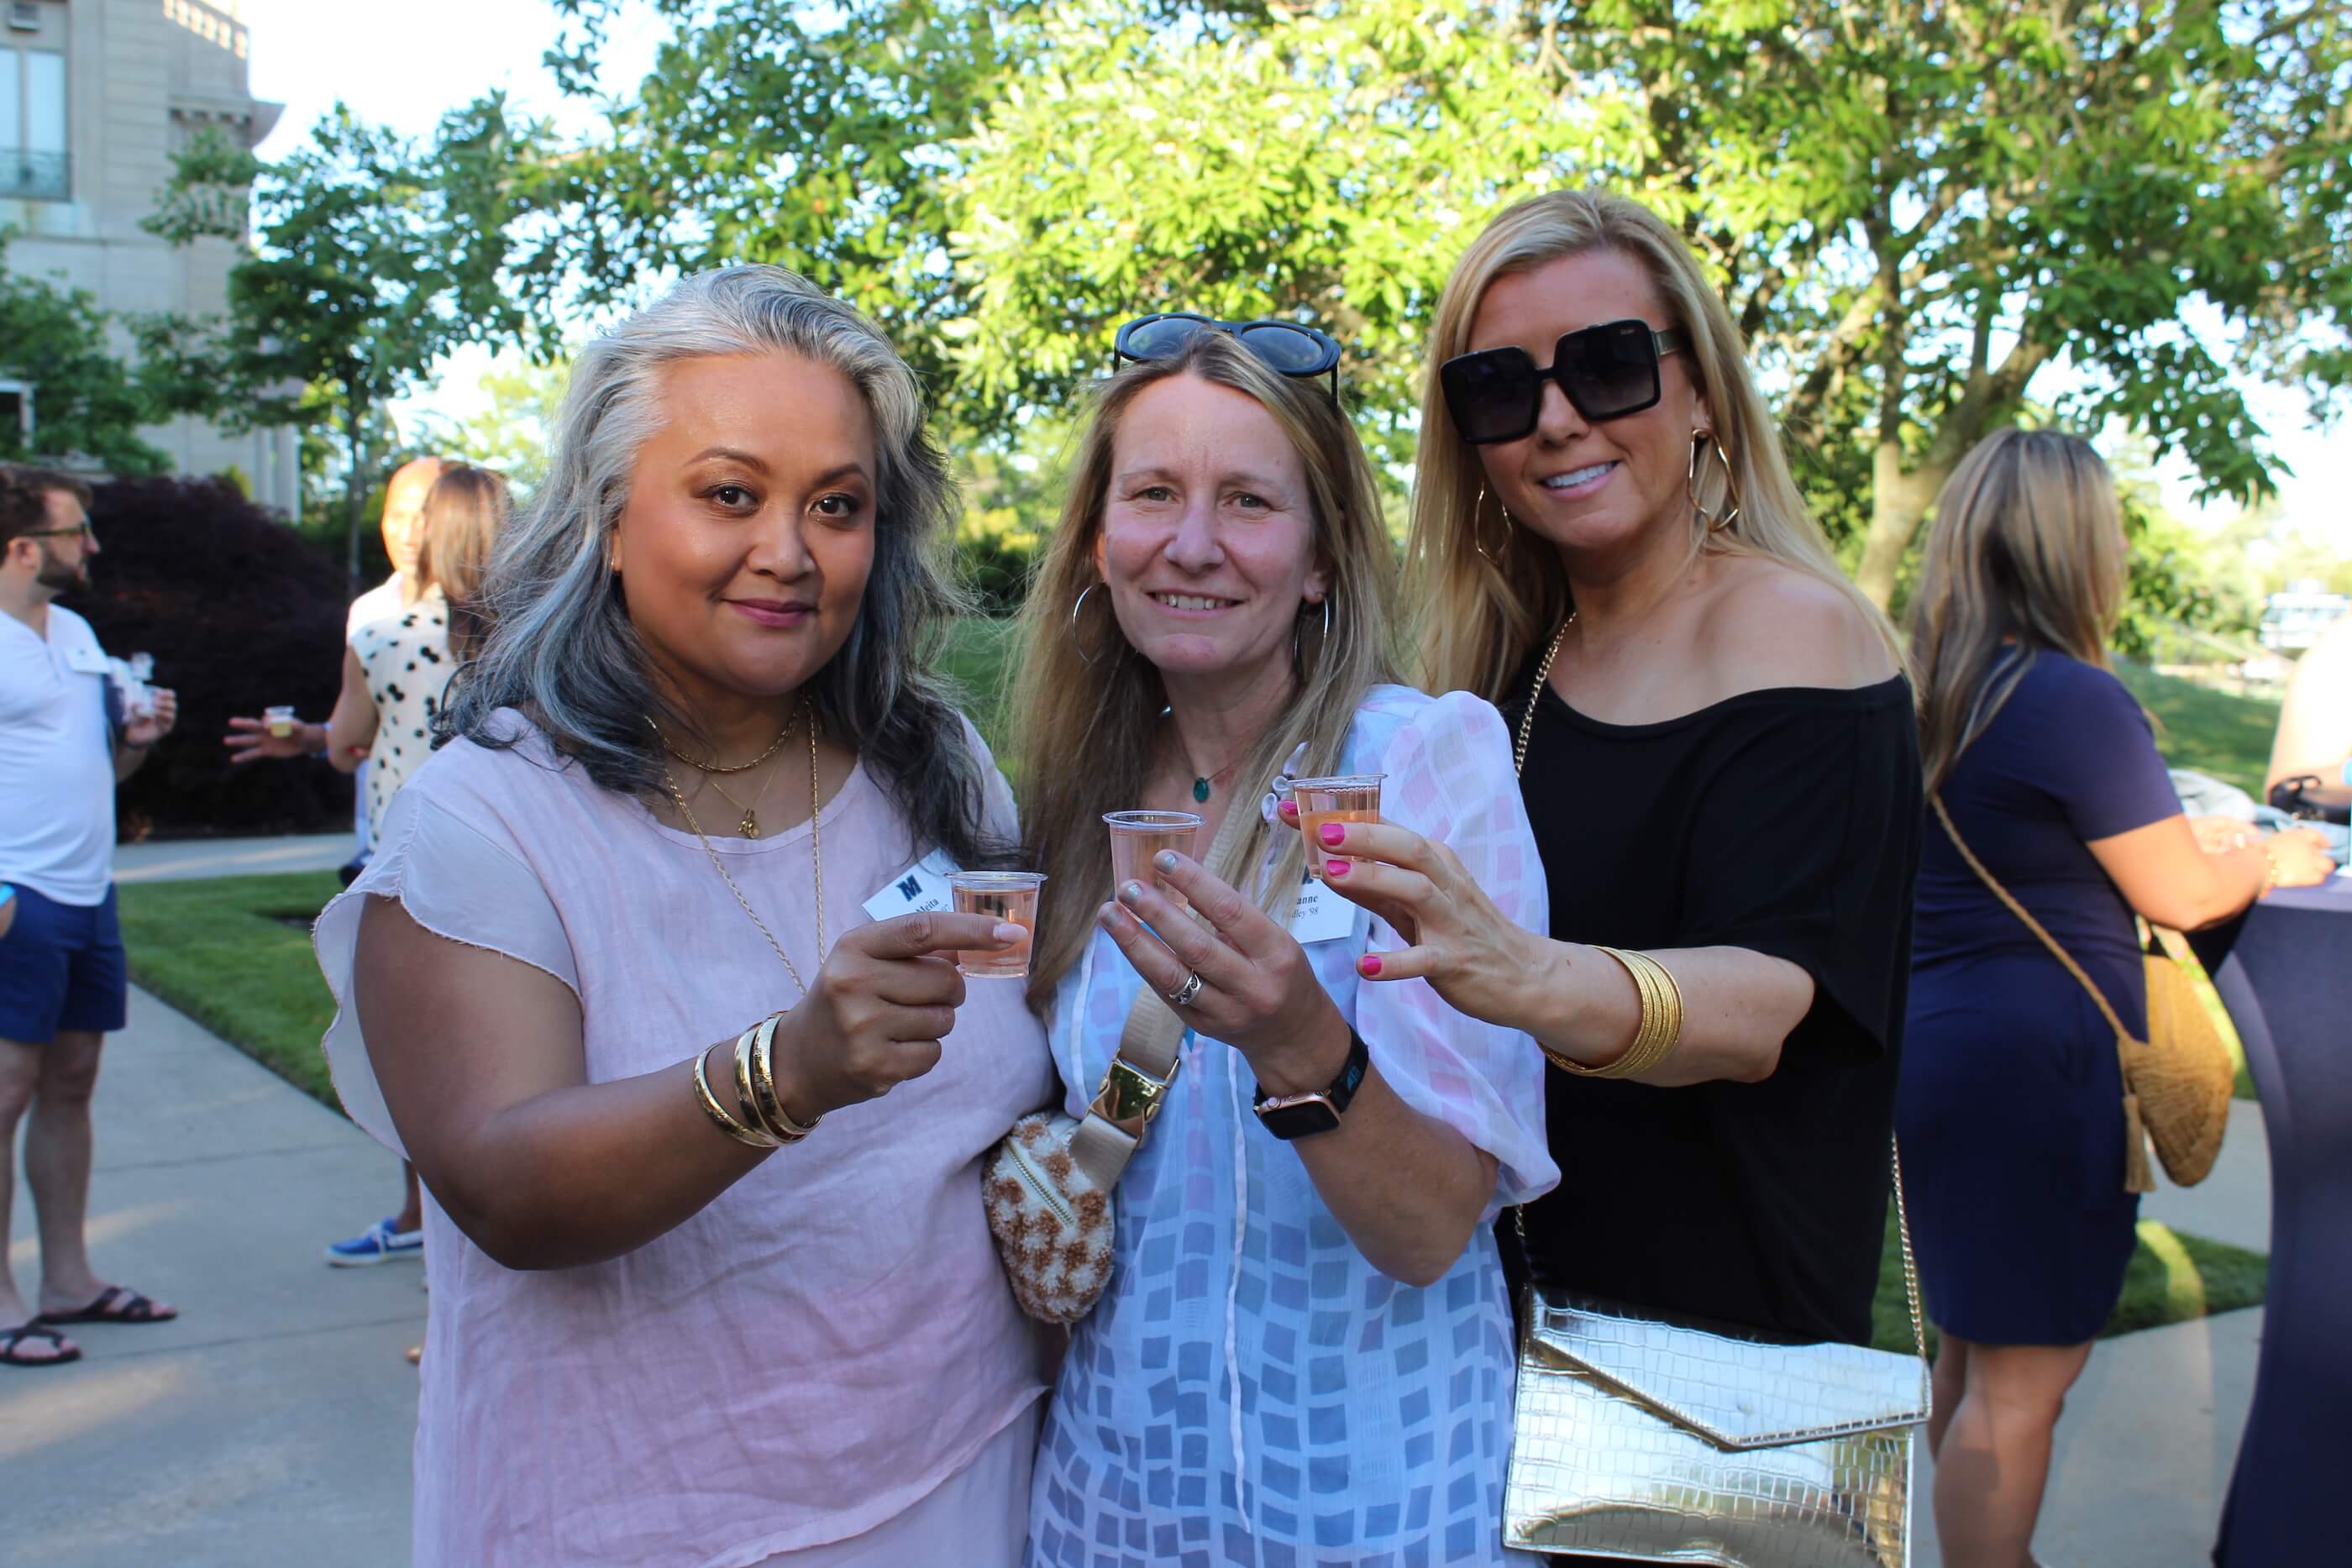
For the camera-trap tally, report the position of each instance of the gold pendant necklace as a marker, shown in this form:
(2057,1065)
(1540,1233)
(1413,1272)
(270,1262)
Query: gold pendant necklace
(816,850)
(749,826)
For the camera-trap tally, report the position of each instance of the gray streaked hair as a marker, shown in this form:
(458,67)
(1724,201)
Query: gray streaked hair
(562,650)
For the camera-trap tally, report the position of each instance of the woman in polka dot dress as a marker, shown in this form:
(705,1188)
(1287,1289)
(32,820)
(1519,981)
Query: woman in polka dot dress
(397,668)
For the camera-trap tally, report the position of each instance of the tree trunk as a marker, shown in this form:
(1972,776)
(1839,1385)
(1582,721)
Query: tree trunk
(355,489)
(1898,503)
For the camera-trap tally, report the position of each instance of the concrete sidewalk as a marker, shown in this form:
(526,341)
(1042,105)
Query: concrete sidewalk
(173,860)
(270,1424)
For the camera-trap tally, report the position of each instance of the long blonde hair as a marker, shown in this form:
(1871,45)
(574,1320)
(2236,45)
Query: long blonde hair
(2028,548)
(1480,618)
(462,516)
(1090,706)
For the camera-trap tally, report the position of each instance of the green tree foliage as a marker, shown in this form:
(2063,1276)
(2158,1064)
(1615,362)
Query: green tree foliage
(86,402)
(512,432)
(372,259)
(1916,211)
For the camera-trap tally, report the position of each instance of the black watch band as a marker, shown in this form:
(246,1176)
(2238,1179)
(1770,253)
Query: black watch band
(1292,1117)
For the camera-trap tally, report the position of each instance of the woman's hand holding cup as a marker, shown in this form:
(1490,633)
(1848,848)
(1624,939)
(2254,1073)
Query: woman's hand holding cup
(1475,956)
(1257,991)
(877,1008)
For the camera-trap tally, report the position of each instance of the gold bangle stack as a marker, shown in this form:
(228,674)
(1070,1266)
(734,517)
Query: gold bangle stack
(755,1088)
(1660,1031)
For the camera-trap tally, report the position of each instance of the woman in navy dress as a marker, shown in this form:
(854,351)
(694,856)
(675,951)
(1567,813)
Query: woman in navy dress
(2009,1107)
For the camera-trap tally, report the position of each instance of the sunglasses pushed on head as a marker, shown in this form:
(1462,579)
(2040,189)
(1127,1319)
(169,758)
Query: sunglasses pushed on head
(1285,347)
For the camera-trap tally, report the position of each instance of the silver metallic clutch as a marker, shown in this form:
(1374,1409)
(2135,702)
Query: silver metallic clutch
(1664,1443)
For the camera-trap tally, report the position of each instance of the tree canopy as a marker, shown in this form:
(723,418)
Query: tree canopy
(1916,211)
(86,401)
(371,257)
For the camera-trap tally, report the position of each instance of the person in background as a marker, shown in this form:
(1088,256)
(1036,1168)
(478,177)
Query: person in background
(2315,727)
(396,667)
(2011,1109)
(403,538)
(63,980)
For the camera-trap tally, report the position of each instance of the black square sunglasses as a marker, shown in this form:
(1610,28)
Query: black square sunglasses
(1607,372)
(1282,346)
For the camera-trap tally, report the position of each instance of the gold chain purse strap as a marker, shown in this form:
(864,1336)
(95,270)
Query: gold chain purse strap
(1902,1214)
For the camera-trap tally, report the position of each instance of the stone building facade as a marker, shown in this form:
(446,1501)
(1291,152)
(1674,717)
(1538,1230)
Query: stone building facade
(95,96)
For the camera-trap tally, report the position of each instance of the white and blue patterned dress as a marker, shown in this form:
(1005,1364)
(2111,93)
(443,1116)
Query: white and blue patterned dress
(1250,1391)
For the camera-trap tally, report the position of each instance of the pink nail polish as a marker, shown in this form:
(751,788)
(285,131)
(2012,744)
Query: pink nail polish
(1368,965)
(1334,868)
(1331,832)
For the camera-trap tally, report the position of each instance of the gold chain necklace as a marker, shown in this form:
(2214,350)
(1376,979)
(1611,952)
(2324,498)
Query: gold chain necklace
(773,746)
(1543,679)
(816,844)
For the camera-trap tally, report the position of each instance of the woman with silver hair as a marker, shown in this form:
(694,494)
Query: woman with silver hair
(616,950)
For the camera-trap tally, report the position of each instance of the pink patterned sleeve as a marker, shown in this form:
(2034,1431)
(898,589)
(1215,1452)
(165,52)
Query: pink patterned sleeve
(1450,778)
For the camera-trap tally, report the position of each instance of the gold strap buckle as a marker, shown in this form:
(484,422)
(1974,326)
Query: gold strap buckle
(1129,1097)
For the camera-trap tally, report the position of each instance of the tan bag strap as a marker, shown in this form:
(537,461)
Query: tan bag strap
(1136,1084)
(2057,952)
(2139,1176)
(1894,1148)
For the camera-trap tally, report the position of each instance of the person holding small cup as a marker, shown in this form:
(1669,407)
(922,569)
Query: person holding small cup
(1303,1281)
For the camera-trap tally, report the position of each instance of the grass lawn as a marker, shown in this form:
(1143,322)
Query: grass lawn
(2172,1277)
(234,954)
(2212,732)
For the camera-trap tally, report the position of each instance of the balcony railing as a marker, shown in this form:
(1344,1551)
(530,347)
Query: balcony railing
(36,176)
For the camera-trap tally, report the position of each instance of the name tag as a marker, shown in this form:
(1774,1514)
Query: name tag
(919,889)
(1321,914)
(84,661)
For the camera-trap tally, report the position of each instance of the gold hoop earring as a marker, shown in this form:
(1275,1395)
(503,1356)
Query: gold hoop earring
(1478,529)
(1716,521)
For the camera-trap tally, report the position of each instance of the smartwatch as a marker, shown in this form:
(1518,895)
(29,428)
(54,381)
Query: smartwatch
(1292,1117)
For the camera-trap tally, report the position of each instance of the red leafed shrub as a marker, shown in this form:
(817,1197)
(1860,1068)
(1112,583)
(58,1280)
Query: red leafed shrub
(240,613)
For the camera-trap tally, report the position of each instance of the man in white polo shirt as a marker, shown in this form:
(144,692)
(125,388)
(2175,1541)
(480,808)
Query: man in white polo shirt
(63,983)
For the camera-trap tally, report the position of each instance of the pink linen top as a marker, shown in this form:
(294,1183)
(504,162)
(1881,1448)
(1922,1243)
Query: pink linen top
(815,1351)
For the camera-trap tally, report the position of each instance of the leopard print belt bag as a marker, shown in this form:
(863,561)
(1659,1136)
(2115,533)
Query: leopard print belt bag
(1047,1186)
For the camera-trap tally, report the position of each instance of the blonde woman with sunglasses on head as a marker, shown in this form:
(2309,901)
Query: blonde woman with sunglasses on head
(1719,761)
(2012,1095)
(1302,1354)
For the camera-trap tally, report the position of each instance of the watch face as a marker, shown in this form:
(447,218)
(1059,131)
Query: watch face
(1309,1114)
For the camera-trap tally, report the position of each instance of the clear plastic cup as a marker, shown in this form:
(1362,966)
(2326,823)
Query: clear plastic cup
(1138,837)
(1007,895)
(279,720)
(1346,798)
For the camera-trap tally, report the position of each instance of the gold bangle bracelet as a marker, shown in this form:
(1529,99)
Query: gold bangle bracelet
(717,1113)
(1657,1034)
(775,1118)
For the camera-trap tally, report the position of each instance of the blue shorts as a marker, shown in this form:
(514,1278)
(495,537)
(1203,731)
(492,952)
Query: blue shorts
(61,968)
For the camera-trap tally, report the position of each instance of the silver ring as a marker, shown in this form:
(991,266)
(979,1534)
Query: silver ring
(1181,996)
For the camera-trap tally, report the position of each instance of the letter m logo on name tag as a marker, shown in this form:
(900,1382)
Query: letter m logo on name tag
(912,887)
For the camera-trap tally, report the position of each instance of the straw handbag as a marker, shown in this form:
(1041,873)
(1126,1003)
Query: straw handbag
(2177,1081)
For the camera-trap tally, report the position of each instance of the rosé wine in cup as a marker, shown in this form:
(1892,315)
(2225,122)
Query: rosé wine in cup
(1007,895)
(1349,798)
(1136,840)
